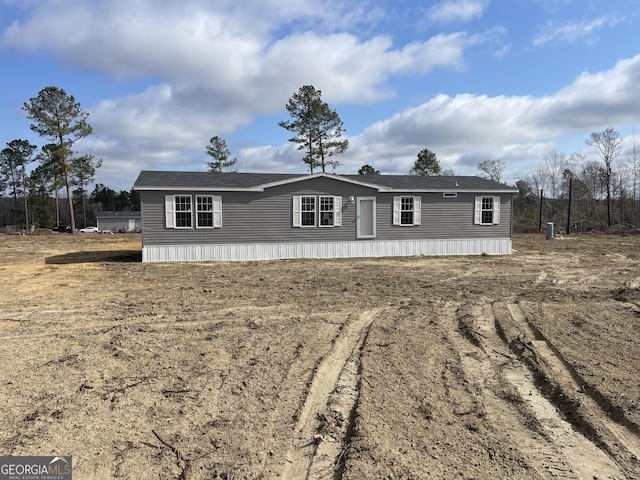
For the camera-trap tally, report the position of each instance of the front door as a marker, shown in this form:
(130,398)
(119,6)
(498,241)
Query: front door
(366,217)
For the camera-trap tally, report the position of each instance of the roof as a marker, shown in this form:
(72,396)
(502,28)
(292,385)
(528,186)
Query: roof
(217,181)
(119,214)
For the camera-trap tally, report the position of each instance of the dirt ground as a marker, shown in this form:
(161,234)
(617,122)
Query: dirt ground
(524,366)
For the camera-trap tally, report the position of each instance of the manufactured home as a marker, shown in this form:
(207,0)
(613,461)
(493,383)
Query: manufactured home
(119,222)
(201,216)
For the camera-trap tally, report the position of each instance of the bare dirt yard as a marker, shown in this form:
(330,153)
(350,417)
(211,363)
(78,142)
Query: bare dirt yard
(524,366)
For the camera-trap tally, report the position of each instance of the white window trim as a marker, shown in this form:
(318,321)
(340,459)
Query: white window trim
(337,211)
(397,211)
(297,211)
(170,211)
(478,210)
(216,212)
(300,211)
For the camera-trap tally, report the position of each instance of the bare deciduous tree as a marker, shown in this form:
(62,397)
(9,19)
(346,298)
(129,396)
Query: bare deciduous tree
(493,169)
(608,144)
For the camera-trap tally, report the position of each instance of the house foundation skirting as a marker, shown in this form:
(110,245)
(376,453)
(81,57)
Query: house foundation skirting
(278,251)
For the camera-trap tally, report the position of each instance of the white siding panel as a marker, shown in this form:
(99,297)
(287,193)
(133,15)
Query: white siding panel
(276,251)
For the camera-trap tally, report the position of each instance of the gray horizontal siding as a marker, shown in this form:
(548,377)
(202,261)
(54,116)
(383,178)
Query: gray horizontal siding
(266,217)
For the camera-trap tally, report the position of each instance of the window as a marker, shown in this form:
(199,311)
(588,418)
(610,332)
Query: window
(406,210)
(179,211)
(308,216)
(204,211)
(487,211)
(327,208)
(450,194)
(183,211)
(326,211)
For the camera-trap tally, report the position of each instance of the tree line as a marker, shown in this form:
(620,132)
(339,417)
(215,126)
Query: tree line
(55,191)
(59,119)
(574,192)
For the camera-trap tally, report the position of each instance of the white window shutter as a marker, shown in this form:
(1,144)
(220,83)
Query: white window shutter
(496,210)
(169,210)
(478,211)
(217,212)
(297,211)
(396,210)
(417,210)
(337,211)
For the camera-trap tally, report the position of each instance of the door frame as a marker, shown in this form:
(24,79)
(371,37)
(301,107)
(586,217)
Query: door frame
(373,219)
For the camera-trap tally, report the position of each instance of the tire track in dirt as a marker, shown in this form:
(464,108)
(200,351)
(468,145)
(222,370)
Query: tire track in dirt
(11,325)
(307,457)
(613,437)
(560,449)
(485,360)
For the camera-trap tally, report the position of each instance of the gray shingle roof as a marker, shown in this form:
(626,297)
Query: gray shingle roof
(168,180)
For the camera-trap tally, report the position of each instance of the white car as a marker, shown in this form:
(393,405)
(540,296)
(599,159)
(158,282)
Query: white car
(89,230)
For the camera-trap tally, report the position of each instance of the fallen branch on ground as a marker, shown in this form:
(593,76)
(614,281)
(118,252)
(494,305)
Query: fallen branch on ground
(187,464)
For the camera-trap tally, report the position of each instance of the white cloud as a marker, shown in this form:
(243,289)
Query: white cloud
(457,10)
(207,68)
(465,129)
(572,32)
(233,57)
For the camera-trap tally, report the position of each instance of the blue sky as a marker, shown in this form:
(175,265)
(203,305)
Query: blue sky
(468,79)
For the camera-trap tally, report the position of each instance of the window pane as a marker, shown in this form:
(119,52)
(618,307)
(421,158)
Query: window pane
(183,219)
(326,211)
(205,204)
(183,204)
(308,204)
(308,218)
(204,211)
(406,218)
(326,218)
(183,210)
(406,211)
(308,214)
(326,204)
(487,210)
(205,219)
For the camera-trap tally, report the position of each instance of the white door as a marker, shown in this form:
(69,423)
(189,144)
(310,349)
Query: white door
(366,216)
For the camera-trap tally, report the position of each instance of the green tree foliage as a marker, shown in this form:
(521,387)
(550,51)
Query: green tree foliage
(13,168)
(218,151)
(107,199)
(59,118)
(318,128)
(426,164)
(608,144)
(525,207)
(123,202)
(49,174)
(41,205)
(104,197)
(368,170)
(492,169)
(84,172)
(134,200)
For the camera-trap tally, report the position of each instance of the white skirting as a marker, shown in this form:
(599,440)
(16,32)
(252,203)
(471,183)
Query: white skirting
(277,251)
